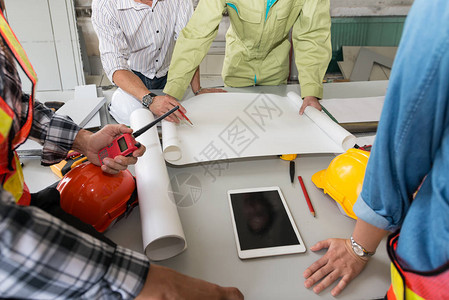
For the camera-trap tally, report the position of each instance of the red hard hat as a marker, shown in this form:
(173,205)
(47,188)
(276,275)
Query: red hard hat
(95,197)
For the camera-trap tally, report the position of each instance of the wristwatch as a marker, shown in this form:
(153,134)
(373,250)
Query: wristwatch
(359,250)
(147,100)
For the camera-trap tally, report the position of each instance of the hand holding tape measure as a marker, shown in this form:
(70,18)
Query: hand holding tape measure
(125,144)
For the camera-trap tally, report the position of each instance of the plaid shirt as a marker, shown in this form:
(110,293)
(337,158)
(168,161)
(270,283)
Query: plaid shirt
(40,256)
(43,258)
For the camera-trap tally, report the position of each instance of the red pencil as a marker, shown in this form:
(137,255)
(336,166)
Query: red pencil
(185,117)
(306,195)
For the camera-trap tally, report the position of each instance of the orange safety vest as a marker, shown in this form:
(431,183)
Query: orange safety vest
(414,285)
(10,170)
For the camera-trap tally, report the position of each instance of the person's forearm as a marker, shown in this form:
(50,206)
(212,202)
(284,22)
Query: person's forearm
(81,141)
(108,271)
(195,83)
(367,235)
(130,83)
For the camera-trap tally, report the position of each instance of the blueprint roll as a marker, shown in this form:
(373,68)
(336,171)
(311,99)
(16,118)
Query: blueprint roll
(162,233)
(338,134)
(170,141)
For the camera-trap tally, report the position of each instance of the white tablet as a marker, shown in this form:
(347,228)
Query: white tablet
(263,225)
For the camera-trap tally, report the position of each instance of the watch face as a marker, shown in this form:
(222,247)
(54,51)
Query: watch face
(147,100)
(358,251)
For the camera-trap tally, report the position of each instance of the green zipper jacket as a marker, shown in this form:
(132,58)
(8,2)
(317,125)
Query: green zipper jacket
(257,45)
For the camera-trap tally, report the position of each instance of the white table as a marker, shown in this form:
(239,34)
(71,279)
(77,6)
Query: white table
(211,254)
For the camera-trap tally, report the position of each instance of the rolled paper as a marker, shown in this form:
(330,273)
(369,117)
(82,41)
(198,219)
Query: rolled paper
(170,141)
(337,133)
(162,232)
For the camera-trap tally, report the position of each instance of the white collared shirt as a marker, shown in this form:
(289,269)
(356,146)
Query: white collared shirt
(135,36)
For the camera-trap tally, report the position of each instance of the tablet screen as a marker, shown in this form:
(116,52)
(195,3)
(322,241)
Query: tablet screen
(261,220)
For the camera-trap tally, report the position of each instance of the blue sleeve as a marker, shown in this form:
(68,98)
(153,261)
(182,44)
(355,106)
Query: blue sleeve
(413,131)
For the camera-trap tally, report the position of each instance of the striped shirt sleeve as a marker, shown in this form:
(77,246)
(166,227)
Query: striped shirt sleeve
(113,47)
(138,37)
(185,12)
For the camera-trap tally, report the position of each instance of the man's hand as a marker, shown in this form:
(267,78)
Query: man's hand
(164,283)
(90,144)
(162,104)
(309,101)
(339,261)
(211,90)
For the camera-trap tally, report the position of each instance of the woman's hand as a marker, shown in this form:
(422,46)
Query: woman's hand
(340,261)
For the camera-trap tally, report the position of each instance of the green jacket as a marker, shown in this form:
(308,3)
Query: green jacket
(257,45)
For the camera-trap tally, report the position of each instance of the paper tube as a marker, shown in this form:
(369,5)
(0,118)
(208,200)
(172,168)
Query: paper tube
(170,141)
(337,133)
(162,233)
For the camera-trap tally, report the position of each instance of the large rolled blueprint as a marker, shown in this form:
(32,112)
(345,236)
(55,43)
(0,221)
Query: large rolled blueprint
(162,232)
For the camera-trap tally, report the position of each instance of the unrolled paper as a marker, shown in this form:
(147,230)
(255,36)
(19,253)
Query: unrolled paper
(241,125)
(163,235)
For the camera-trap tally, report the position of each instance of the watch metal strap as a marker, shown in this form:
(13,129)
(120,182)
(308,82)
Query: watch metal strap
(364,251)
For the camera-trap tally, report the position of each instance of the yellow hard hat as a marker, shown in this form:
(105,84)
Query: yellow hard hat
(343,179)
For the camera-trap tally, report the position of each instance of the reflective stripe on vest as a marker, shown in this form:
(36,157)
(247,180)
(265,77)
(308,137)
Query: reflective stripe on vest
(6,117)
(414,285)
(14,183)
